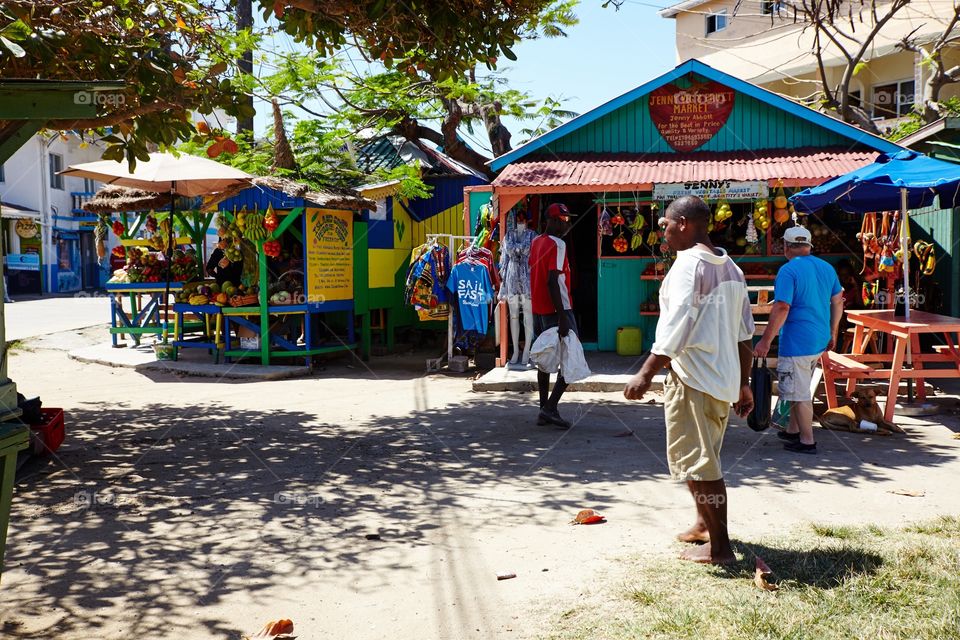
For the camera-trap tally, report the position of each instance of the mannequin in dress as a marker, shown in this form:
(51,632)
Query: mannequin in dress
(515,271)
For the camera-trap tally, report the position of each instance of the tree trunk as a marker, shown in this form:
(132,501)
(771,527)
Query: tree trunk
(283,157)
(245,63)
(446,139)
(498,134)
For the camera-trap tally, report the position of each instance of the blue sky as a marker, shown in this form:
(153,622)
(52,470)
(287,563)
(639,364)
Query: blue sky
(609,53)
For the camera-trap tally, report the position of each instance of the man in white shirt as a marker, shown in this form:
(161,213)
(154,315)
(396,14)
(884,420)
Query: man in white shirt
(705,336)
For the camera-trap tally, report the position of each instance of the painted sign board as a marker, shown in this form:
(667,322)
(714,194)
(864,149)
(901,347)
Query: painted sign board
(23,261)
(688,118)
(712,190)
(329,255)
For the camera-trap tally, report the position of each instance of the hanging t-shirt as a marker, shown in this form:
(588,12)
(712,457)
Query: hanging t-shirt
(549,253)
(471,284)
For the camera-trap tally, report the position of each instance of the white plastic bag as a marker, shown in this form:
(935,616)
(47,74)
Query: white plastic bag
(545,352)
(551,353)
(573,362)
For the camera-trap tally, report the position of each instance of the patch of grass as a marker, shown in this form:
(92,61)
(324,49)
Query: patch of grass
(18,345)
(642,597)
(835,583)
(945,526)
(832,531)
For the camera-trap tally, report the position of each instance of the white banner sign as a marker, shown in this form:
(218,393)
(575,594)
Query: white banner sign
(712,190)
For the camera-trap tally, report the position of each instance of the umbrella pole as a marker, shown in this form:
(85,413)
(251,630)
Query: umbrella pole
(169,256)
(905,252)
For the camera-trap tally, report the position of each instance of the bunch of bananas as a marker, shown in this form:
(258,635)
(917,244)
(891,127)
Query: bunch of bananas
(252,226)
(636,227)
(198,299)
(159,239)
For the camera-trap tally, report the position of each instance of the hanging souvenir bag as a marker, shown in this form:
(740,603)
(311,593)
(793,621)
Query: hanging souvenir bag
(605,226)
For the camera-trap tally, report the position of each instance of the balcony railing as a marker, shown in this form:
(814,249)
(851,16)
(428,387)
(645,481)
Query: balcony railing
(79,199)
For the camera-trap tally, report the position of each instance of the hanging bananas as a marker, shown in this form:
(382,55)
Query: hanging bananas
(253,227)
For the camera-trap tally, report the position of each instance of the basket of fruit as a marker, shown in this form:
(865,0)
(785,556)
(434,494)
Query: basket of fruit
(246,300)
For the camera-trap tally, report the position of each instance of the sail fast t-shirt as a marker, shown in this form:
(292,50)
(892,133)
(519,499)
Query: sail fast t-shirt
(471,284)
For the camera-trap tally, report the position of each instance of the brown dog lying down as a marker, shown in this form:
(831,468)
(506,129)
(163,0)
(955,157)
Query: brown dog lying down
(865,408)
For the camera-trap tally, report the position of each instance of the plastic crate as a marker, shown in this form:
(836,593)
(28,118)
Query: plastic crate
(47,436)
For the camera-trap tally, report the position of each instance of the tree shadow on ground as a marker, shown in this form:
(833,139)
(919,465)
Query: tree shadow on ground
(168,509)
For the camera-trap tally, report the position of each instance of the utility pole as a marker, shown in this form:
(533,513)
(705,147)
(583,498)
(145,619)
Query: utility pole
(245,63)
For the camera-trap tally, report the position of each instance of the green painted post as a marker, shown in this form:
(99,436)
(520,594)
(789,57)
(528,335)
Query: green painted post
(264,312)
(13,439)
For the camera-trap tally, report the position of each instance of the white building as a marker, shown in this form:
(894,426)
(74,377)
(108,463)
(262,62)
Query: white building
(62,257)
(759,41)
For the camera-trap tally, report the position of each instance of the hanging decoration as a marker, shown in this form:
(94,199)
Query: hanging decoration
(605,226)
(620,244)
(781,212)
(636,229)
(761,215)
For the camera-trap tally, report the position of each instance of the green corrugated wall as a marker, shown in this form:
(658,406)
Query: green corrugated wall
(752,125)
(942,227)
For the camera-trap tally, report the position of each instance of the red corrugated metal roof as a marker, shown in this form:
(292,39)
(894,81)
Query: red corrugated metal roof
(585,169)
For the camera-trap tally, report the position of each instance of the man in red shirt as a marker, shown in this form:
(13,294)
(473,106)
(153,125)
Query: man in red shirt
(550,290)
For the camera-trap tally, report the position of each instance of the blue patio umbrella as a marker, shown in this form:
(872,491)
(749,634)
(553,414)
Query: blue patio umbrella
(903,180)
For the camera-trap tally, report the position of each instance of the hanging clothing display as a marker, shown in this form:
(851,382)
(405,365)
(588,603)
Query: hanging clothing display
(472,280)
(471,284)
(426,282)
(515,261)
(487,231)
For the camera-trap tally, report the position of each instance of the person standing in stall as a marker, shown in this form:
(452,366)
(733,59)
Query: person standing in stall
(219,267)
(552,301)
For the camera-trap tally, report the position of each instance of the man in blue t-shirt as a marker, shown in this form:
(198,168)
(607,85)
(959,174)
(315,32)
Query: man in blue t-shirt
(808,305)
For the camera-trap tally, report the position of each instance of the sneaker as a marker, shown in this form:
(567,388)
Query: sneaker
(799,447)
(789,437)
(552,417)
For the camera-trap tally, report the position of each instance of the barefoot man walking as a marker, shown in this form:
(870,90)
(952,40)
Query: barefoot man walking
(705,338)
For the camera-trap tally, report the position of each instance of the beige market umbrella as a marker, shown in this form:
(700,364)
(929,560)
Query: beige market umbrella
(164,173)
(185,175)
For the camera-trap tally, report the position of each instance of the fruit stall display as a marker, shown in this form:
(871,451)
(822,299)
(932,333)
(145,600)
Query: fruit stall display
(142,266)
(139,266)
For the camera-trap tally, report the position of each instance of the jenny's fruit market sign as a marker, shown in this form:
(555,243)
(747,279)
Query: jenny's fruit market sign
(688,118)
(329,248)
(712,190)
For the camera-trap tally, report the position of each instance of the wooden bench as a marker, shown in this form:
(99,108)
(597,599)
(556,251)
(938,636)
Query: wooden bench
(840,367)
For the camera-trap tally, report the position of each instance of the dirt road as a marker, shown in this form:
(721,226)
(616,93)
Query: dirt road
(373,504)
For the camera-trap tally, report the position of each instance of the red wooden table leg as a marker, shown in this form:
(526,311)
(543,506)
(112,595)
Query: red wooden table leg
(860,338)
(896,368)
(915,351)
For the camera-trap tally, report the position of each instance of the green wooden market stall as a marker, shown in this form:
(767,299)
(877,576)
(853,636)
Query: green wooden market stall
(694,130)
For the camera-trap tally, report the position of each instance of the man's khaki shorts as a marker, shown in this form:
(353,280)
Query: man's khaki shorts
(794,374)
(695,425)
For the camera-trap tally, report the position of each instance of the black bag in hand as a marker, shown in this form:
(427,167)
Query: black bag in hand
(761,384)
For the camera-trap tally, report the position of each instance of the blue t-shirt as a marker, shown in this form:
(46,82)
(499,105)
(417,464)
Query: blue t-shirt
(471,283)
(807,284)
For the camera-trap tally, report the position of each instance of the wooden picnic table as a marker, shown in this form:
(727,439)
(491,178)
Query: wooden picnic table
(904,334)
